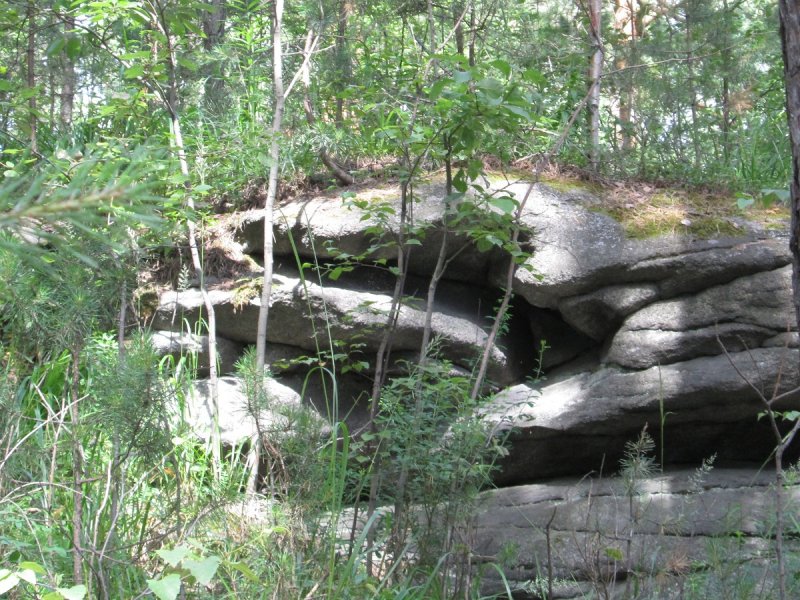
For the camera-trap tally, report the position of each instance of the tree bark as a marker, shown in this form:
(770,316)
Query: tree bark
(458,23)
(30,63)
(595,73)
(343,70)
(214,30)
(67,95)
(727,69)
(272,186)
(790,38)
(790,42)
(689,23)
(631,19)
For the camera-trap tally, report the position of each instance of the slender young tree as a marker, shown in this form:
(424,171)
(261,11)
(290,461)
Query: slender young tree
(272,186)
(30,63)
(595,73)
(170,97)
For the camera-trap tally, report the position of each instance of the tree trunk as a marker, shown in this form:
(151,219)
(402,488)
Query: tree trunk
(631,19)
(171,101)
(595,73)
(77,469)
(790,42)
(30,62)
(67,95)
(790,38)
(214,29)
(458,23)
(473,33)
(343,71)
(272,187)
(432,39)
(727,71)
(697,151)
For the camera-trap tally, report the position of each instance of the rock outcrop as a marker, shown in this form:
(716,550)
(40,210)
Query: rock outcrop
(634,328)
(660,536)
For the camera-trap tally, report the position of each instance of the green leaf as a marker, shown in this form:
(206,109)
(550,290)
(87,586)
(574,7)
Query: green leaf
(73,48)
(436,89)
(174,556)
(8,580)
(770,196)
(518,110)
(535,77)
(501,66)
(35,567)
(56,46)
(6,86)
(141,55)
(614,554)
(744,201)
(203,570)
(76,592)
(413,242)
(244,570)
(493,87)
(27,575)
(504,204)
(134,72)
(190,65)
(167,588)
(462,76)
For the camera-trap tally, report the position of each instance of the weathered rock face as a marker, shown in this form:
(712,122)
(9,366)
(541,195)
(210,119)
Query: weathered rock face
(323,228)
(239,421)
(633,326)
(593,538)
(304,314)
(741,314)
(580,422)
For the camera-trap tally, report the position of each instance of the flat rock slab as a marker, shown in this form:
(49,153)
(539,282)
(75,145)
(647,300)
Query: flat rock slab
(594,536)
(580,422)
(322,228)
(355,318)
(742,314)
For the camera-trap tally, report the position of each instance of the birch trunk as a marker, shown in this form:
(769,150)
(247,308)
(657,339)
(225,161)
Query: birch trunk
(272,187)
(595,73)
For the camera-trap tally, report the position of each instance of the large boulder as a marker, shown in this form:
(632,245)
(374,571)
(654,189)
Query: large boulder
(599,537)
(579,422)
